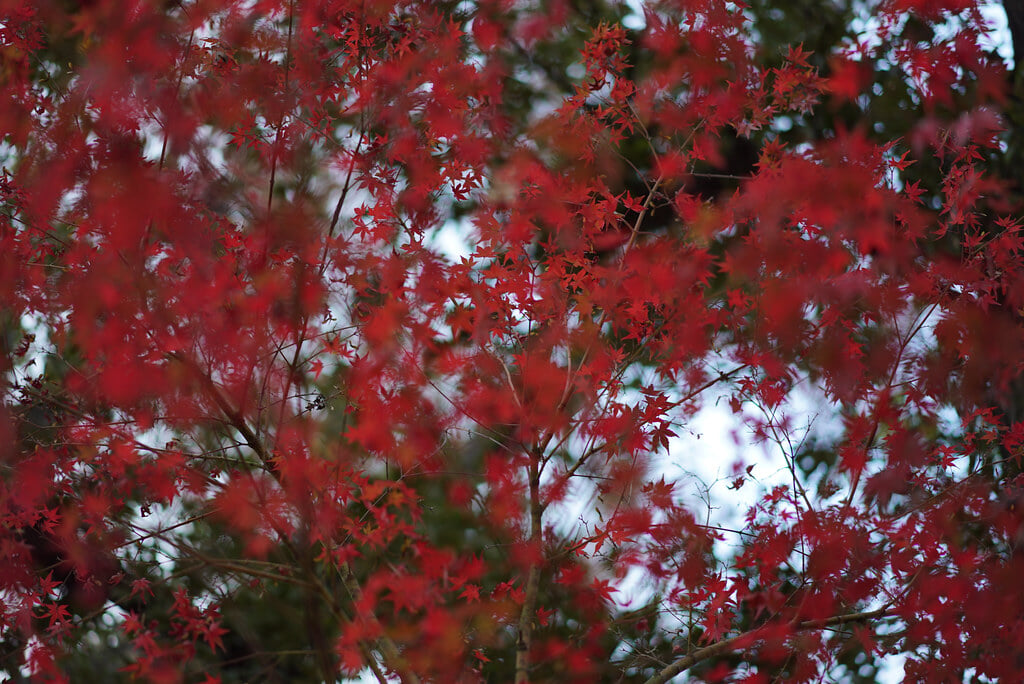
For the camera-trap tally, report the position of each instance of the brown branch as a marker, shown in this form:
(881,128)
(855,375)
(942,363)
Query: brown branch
(160,532)
(728,645)
(635,231)
(525,639)
(916,327)
(387,647)
(233,416)
(280,121)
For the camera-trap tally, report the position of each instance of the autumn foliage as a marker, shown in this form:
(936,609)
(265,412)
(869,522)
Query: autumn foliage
(366,338)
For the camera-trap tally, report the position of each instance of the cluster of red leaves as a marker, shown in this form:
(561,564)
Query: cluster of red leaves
(218,227)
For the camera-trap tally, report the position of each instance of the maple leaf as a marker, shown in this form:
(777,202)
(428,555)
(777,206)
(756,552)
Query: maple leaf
(532,242)
(56,615)
(470,593)
(141,586)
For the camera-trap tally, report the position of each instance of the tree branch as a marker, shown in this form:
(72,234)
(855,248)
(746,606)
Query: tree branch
(392,656)
(525,639)
(728,645)
(388,649)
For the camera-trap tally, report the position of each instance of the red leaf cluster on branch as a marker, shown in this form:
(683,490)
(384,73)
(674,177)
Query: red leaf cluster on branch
(264,419)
